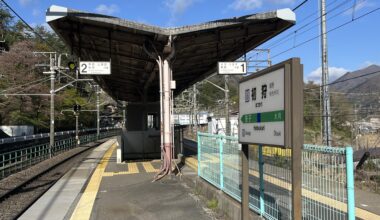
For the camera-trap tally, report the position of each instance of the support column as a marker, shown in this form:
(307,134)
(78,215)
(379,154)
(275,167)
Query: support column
(166,112)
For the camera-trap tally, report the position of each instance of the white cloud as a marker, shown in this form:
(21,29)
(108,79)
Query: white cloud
(334,73)
(107,9)
(253,4)
(24,2)
(177,7)
(246,4)
(369,63)
(36,12)
(360,4)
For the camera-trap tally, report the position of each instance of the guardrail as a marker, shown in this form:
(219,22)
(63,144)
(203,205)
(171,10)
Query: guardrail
(16,160)
(46,135)
(327,177)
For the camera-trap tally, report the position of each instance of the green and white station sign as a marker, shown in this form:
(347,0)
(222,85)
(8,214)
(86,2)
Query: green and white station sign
(271,106)
(262,109)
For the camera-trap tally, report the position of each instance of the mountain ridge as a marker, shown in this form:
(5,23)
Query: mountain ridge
(359,85)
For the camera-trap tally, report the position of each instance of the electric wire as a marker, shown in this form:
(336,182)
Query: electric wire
(281,40)
(31,86)
(343,80)
(27,24)
(26,84)
(300,5)
(273,45)
(296,32)
(331,30)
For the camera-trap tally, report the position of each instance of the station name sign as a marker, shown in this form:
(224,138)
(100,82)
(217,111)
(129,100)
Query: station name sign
(266,105)
(95,68)
(232,68)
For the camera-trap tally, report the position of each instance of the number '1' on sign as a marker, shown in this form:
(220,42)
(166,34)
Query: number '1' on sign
(236,68)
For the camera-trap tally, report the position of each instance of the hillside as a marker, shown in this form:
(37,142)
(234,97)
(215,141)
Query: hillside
(360,85)
(363,90)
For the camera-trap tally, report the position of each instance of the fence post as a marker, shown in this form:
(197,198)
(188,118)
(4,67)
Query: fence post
(261,179)
(199,153)
(221,162)
(350,184)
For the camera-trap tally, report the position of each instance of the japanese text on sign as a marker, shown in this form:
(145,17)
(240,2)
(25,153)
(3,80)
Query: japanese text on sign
(94,68)
(232,67)
(262,114)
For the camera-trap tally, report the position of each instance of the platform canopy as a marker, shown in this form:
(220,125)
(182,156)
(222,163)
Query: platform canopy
(198,48)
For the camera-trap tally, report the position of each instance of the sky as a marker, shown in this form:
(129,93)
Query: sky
(351,47)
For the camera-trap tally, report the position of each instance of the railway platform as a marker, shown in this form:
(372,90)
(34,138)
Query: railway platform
(101,188)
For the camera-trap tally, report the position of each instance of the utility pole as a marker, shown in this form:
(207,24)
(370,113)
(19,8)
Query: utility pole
(97,111)
(195,110)
(226,102)
(77,127)
(52,93)
(325,79)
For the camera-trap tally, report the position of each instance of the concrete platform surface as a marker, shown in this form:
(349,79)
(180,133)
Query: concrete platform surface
(127,192)
(99,188)
(57,202)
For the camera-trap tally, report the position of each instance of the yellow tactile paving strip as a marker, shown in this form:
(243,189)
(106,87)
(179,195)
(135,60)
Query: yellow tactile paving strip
(149,167)
(133,169)
(361,213)
(84,207)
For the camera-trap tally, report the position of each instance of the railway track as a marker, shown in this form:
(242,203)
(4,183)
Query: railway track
(19,191)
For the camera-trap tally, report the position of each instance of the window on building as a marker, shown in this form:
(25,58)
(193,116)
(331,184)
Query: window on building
(152,121)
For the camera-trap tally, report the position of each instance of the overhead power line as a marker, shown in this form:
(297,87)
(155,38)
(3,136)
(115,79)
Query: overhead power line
(331,30)
(30,27)
(343,80)
(26,84)
(300,5)
(296,32)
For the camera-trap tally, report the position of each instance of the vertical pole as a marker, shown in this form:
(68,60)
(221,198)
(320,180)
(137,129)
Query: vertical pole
(297,136)
(221,163)
(181,139)
(76,128)
(124,116)
(166,112)
(261,174)
(350,184)
(195,108)
(97,111)
(245,183)
(52,80)
(325,79)
(226,102)
(199,153)
(161,72)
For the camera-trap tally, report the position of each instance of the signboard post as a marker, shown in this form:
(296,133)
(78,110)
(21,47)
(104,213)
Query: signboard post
(95,68)
(271,114)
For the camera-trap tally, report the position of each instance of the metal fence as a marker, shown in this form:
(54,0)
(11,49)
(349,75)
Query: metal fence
(327,178)
(14,161)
